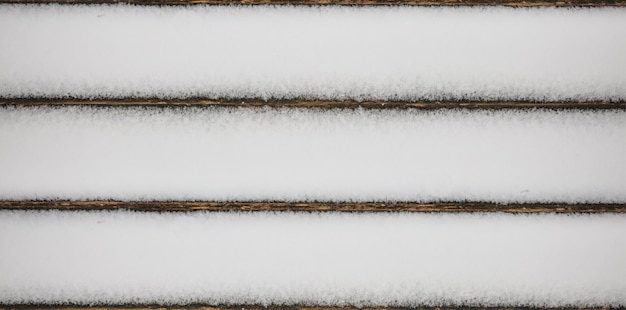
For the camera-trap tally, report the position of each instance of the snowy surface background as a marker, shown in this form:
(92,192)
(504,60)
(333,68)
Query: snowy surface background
(386,53)
(267,52)
(305,155)
(384,259)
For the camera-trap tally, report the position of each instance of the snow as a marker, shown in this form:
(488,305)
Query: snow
(268,154)
(283,52)
(226,154)
(390,259)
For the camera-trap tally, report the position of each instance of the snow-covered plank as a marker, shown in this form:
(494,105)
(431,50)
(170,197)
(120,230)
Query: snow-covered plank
(322,259)
(311,52)
(307,155)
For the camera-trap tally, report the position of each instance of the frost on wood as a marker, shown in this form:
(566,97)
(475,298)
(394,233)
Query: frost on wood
(238,154)
(373,53)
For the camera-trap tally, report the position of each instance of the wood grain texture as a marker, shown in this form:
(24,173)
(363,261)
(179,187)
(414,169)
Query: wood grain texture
(511,3)
(254,307)
(442,207)
(323,104)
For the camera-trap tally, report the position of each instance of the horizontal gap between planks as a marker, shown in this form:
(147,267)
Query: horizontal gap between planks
(257,307)
(512,3)
(318,104)
(312,206)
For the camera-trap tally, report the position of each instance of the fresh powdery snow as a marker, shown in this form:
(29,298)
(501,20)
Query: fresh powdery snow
(244,154)
(362,53)
(384,259)
(309,154)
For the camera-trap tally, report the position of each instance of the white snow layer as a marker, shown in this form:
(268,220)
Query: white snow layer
(313,259)
(305,155)
(388,53)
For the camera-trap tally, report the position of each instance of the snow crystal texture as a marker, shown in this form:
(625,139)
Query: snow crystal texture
(305,155)
(364,53)
(313,259)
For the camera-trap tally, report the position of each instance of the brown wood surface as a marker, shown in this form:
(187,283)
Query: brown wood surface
(313,206)
(319,104)
(513,3)
(254,307)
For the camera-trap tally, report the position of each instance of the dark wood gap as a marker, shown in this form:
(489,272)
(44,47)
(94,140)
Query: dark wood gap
(438,207)
(510,3)
(322,104)
(270,307)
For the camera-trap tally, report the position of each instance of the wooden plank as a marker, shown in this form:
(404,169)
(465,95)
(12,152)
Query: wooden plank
(256,307)
(442,207)
(511,3)
(323,104)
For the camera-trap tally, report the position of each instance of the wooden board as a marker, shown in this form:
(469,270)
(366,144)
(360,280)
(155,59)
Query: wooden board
(248,307)
(313,206)
(512,3)
(318,104)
